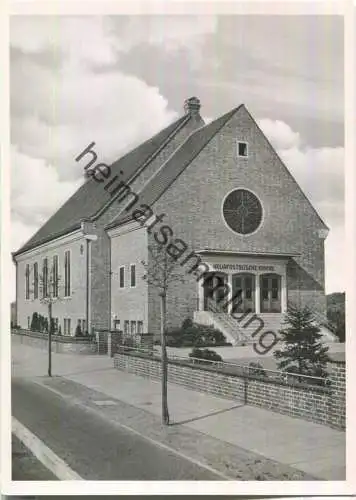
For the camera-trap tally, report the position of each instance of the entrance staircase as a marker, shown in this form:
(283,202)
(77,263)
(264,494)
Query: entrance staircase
(247,330)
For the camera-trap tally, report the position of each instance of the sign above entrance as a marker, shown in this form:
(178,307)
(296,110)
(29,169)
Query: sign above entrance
(243,267)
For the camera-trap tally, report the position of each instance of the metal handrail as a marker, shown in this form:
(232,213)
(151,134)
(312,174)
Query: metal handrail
(280,374)
(246,367)
(213,307)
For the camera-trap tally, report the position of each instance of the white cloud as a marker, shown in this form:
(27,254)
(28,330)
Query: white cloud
(79,107)
(98,39)
(207,119)
(65,108)
(36,191)
(171,31)
(61,105)
(279,133)
(85,39)
(335,258)
(320,174)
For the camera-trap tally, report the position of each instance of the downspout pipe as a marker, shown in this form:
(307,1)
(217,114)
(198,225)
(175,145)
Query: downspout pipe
(89,238)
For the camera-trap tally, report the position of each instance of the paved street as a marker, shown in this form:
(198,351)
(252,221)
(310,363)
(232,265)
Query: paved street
(25,466)
(242,442)
(95,449)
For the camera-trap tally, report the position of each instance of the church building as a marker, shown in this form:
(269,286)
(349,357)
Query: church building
(216,198)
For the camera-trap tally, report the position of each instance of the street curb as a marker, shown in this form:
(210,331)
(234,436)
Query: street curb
(44,454)
(97,413)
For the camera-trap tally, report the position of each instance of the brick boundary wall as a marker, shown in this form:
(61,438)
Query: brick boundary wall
(317,404)
(59,344)
(109,340)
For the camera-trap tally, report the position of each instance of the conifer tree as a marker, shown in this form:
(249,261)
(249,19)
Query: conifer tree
(302,351)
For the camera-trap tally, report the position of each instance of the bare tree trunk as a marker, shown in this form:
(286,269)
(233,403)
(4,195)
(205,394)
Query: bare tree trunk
(164,361)
(50,339)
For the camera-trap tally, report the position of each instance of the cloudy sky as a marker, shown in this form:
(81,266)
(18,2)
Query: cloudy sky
(117,80)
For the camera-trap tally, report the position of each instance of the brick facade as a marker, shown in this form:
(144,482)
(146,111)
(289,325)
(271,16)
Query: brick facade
(193,208)
(317,404)
(103,254)
(192,205)
(100,261)
(128,248)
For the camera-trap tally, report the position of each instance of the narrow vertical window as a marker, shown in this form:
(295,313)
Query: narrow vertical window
(55,276)
(133,327)
(45,278)
(27,282)
(122,277)
(68,321)
(133,275)
(67,273)
(139,326)
(126,326)
(35,280)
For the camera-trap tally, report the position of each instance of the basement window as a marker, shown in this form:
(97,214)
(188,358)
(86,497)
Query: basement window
(242,149)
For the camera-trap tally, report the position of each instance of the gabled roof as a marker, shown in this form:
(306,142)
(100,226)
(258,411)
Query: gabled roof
(91,197)
(175,165)
(186,153)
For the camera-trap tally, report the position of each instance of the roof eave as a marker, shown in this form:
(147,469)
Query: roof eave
(27,248)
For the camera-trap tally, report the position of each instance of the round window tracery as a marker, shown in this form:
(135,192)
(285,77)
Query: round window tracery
(242,211)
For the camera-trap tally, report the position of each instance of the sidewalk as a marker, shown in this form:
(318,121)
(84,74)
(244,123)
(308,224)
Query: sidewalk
(312,448)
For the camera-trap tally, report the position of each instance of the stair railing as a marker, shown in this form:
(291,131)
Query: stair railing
(226,318)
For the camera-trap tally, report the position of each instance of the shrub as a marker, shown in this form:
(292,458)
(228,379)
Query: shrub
(128,343)
(194,334)
(35,322)
(42,323)
(205,354)
(78,331)
(187,323)
(255,368)
(53,326)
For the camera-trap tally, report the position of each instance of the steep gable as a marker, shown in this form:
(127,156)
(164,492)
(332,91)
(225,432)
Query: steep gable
(190,149)
(91,197)
(166,175)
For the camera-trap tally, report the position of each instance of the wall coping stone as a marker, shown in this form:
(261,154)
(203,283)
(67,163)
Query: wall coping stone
(55,338)
(210,369)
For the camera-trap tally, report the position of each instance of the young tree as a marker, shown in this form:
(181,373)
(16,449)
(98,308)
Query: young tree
(49,294)
(302,351)
(161,271)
